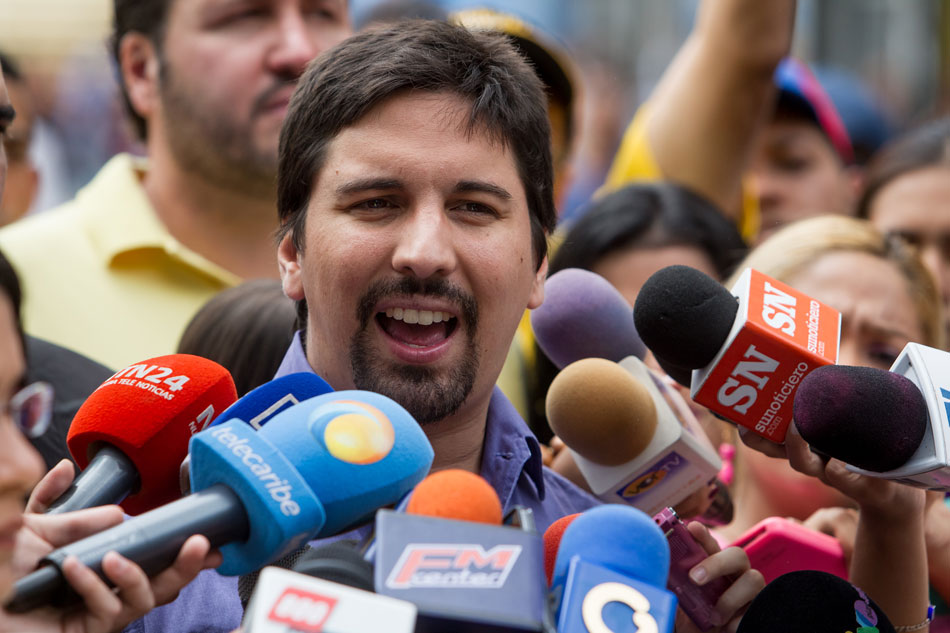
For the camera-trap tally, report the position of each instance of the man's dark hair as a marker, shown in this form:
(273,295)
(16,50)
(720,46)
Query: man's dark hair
(344,84)
(149,18)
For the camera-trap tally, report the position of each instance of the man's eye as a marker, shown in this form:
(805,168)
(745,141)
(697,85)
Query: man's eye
(374,203)
(476,208)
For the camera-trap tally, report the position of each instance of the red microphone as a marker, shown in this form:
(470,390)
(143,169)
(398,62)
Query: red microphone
(552,542)
(131,435)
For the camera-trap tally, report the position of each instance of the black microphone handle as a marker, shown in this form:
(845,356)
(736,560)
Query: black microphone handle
(152,540)
(109,478)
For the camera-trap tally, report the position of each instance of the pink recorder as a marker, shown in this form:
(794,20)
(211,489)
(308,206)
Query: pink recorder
(776,546)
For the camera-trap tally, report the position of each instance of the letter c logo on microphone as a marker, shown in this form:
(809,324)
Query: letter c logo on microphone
(592,608)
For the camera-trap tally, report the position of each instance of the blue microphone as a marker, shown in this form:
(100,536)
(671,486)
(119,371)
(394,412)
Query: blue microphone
(610,574)
(327,463)
(262,403)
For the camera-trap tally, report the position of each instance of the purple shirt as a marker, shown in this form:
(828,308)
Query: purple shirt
(511,463)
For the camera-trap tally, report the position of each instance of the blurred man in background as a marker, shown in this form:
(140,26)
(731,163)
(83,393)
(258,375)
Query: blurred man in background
(22,178)
(146,243)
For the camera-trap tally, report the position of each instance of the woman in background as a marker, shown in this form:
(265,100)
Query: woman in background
(886,298)
(26,537)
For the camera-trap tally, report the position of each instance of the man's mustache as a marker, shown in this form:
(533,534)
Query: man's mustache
(412,286)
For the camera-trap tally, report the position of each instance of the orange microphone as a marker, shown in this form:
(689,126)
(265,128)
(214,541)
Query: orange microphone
(456,494)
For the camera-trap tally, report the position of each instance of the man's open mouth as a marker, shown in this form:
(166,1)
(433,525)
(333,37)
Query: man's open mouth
(417,328)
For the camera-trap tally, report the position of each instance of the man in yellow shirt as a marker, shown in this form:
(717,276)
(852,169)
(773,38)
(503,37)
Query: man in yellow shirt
(117,272)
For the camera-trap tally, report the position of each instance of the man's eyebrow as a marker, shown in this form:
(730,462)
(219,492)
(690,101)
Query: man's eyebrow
(367,184)
(468,186)
(7,113)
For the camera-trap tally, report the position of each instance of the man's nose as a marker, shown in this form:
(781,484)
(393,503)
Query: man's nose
(294,44)
(425,244)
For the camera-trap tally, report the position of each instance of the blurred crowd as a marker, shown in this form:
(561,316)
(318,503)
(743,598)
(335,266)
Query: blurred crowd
(144,195)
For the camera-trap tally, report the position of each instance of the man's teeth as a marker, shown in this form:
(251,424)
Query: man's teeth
(422,317)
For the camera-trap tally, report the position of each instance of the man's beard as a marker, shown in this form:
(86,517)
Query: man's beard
(427,394)
(214,145)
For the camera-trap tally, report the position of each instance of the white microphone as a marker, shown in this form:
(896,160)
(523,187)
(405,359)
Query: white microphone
(286,601)
(630,444)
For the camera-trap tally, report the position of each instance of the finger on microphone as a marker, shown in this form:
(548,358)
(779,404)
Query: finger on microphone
(53,484)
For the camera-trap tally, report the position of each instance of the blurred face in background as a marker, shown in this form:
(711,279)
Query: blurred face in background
(6,120)
(227,71)
(797,174)
(22,178)
(20,465)
(878,318)
(628,269)
(916,206)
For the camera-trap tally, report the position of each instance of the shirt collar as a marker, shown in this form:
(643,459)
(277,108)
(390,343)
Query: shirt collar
(509,449)
(121,222)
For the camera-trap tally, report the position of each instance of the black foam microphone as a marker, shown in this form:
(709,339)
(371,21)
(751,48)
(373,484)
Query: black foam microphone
(866,417)
(748,349)
(813,602)
(891,424)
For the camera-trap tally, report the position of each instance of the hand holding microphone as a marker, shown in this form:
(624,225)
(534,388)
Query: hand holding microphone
(261,494)
(103,608)
(891,424)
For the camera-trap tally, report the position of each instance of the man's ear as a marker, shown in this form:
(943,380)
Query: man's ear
(537,289)
(140,67)
(288,260)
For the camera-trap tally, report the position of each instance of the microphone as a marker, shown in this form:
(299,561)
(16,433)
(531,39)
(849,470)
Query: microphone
(584,316)
(748,350)
(552,542)
(264,402)
(318,596)
(131,434)
(611,572)
(461,575)
(625,437)
(258,406)
(889,424)
(456,494)
(325,465)
(813,601)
